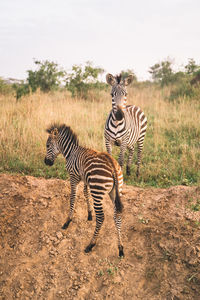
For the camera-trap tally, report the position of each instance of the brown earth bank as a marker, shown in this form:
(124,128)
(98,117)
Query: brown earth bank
(39,260)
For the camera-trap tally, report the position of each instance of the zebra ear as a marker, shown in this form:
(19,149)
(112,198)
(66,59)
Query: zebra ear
(110,79)
(128,80)
(54,133)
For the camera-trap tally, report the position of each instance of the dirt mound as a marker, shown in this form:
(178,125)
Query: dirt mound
(39,260)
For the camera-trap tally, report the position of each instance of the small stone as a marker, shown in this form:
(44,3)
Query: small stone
(47,240)
(59,235)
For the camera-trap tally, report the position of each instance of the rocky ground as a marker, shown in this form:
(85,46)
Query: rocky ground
(39,260)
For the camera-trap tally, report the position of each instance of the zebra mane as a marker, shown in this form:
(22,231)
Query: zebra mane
(118,78)
(64,129)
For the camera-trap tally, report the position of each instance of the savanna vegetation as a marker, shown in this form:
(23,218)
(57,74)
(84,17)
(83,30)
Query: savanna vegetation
(171,153)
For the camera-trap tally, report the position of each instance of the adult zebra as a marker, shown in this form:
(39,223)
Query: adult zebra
(126,124)
(99,171)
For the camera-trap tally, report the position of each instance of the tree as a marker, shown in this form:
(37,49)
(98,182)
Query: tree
(82,79)
(191,67)
(127,72)
(187,83)
(21,90)
(47,77)
(162,72)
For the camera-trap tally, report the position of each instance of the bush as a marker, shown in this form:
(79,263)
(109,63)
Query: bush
(185,90)
(48,76)
(126,73)
(187,83)
(162,72)
(5,88)
(81,80)
(21,90)
(191,67)
(196,79)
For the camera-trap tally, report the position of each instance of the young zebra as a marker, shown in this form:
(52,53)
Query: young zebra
(100,173)
(126,124)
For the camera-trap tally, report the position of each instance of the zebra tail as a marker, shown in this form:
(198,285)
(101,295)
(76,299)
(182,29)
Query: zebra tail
(118,203)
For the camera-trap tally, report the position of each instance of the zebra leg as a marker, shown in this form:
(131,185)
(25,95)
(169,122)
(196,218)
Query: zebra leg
(117,220)
(73,182)
(99,221)
(121,154)
(108,145)
(129,162)
(86,194)
(139,157)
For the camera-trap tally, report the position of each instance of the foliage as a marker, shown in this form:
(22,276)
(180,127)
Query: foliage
(21,90)
(83,79)
(162,72)
(184,90)
(5,88)
(184,84)
(187,84)
(47,77)
(179,77)
(127,72)
(191,67)
(196,78)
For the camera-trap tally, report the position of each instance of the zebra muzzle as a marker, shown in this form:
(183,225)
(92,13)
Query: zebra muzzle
(119,114)
(48,162)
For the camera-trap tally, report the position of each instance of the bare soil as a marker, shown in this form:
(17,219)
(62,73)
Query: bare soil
(39,260)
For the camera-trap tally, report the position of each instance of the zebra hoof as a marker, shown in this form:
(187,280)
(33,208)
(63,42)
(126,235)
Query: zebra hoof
(89,248)
(137,174)
(66,224)
(128,171)
(89,216)
(121,251)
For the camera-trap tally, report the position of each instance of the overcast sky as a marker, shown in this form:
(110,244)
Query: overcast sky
(115,35)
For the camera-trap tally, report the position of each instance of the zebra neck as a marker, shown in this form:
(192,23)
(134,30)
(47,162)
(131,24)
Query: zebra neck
(115,121)
(68,146)
(123,103)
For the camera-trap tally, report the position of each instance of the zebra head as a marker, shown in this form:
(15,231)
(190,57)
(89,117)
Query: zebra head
(52,146)
(118,93)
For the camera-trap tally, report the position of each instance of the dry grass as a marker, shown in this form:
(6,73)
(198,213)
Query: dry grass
(171,151)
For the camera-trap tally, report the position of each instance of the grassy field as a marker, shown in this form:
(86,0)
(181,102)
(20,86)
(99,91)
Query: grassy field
(171,153)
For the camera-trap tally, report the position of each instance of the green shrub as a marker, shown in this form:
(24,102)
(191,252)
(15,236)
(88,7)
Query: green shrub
(187,83)
(162,72)
(191,67)
(47,77)
(185,90)
(5,88)
(81,80)
(21,90)
(126,73)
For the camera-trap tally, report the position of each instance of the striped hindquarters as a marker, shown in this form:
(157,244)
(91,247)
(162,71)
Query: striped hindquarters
(101,172)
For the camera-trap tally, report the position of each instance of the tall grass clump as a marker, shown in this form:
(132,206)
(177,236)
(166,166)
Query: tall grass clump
(171,152)
(185,90)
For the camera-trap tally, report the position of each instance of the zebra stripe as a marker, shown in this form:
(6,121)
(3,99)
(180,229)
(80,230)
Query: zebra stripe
(126,124)
(100,173)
